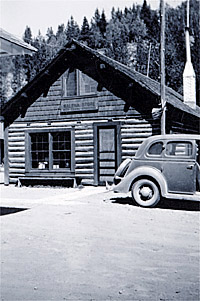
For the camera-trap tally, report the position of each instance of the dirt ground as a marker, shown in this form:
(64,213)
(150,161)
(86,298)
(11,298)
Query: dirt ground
(90,244)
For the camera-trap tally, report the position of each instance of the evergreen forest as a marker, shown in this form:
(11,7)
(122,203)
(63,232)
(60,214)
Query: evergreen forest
(131,36)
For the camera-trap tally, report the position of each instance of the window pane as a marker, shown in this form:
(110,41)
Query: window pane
(156,148)
(87,84)
(61,140)
(61,160)
(77,83)
(61,150)
(179,149)
(71,84)
(40,150)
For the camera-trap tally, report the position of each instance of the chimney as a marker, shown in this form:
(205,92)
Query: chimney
(189,80)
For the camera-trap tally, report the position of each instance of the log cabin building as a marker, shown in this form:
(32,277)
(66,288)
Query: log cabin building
(81,116)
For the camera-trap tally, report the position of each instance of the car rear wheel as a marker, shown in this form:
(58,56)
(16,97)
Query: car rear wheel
(145,193)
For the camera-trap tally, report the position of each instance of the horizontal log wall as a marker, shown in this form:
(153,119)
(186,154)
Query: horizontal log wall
(179,127)
(84,152)
(16,151)
(133,132)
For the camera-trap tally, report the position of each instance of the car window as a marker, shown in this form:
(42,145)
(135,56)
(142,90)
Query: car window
(179,149)
(198,151)
(156,148)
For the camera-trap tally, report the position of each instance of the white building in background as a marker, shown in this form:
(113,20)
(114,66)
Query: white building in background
(11,45)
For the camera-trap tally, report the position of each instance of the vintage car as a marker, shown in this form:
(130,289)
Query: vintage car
(164,166)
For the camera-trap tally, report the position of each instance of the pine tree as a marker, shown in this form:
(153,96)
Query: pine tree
(102,24)
(61,37)
(151,19)
(85,34)
(97,17)
(72,30)
(145,13)
(51,43)
(117,39)
(27,37)
(98,29)
(135,25)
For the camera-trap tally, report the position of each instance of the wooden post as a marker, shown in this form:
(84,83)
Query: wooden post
(162,54)
(6,162)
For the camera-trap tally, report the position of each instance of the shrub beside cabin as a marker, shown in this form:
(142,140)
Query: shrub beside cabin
(81,116)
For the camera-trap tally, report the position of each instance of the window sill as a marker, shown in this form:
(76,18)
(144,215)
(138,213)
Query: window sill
(32,172)
(80,96)
(97,94)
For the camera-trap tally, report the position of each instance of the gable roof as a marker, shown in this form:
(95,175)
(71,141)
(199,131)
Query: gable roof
(136,89)
(12,45)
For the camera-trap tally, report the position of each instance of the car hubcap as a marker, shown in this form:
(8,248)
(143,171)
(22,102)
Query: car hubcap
(146,193)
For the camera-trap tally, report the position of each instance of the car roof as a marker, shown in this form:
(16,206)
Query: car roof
(174,137)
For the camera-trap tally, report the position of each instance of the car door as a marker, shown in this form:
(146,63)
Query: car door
(179,168)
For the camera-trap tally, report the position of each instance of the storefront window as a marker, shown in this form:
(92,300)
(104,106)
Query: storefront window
(50,150)
(77,83)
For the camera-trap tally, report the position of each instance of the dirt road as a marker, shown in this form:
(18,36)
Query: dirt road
(94,245)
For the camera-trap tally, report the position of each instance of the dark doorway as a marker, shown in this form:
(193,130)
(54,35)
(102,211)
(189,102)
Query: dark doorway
(107,151)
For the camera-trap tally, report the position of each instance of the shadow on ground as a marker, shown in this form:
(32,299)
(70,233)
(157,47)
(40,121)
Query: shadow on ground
(163,204)
(9,210)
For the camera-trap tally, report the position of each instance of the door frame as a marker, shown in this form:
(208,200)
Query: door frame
(96,127)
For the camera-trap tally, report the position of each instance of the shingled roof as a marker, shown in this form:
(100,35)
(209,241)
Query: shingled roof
(136,89)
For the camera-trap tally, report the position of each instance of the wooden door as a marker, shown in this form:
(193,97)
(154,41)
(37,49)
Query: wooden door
(107,152)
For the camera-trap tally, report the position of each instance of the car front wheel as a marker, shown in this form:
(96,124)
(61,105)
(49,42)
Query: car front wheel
(145,193)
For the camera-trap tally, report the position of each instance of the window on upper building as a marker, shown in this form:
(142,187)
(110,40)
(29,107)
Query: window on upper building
(76,83)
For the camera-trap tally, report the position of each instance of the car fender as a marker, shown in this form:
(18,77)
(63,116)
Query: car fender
(144,171)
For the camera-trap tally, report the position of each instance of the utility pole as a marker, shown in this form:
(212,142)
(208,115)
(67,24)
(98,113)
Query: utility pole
(162,67)
(149,54)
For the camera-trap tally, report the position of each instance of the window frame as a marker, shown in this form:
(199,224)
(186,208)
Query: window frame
(28,163)
(78,86)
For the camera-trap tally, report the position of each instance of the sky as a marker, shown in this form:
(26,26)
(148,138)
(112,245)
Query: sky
(41,14)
